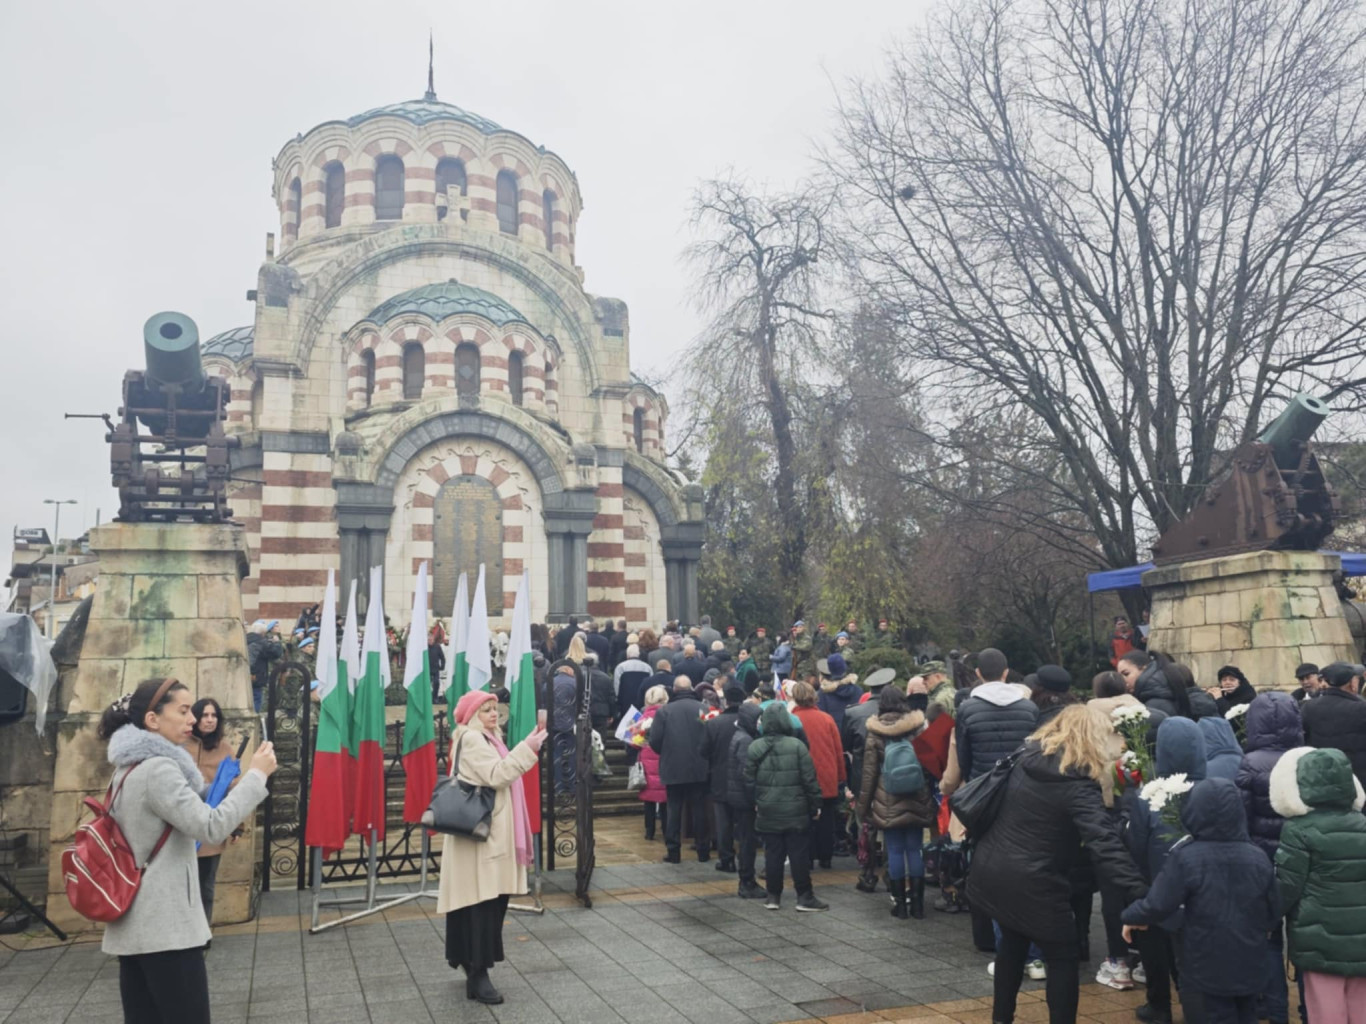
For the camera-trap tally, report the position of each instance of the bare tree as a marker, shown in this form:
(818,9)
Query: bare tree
(1140,222)
(757,281)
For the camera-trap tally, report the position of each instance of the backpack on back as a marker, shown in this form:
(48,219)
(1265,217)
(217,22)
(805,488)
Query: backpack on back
(901,771)
(102,876)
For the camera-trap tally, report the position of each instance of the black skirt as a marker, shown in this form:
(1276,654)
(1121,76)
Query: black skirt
(474,934)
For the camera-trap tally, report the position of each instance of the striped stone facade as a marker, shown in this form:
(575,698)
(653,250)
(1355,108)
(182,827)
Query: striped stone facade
(453,339)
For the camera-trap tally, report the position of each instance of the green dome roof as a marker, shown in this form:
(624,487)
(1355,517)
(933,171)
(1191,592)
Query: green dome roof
(448,298)
(425,111)
(234,345)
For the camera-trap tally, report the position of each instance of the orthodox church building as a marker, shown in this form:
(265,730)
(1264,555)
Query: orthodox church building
(426,379)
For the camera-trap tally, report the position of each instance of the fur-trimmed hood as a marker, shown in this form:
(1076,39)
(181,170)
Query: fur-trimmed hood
(896,726)
(848,679)
(1307,778)
(130,745)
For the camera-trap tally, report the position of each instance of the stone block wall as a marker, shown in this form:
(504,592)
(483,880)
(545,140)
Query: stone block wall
(1264,611)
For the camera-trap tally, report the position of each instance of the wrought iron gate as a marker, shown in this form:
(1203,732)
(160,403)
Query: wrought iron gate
(290,723)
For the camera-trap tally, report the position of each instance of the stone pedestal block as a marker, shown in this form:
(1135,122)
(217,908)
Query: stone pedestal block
(168,603)
(1264,611)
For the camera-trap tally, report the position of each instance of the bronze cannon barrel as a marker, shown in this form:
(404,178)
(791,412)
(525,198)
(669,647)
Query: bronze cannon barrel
(170,343)
(1296,424)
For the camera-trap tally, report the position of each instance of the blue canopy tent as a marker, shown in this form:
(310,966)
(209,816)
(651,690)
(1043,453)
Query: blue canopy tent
(1353,564)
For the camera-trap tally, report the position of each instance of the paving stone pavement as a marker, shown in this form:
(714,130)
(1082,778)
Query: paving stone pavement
(663,944)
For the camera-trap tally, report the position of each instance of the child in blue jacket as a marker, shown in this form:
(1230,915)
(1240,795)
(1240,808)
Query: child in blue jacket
(1231,902)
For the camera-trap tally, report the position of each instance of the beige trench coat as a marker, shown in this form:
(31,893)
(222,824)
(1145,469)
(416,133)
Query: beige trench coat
(473,872)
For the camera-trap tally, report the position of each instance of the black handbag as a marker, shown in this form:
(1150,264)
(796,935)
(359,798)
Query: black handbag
(459,808)
(978,802)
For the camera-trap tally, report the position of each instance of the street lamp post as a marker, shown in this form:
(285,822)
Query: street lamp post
(56,536)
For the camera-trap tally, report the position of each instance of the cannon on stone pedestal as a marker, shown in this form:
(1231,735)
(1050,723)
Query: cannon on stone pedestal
(1274,497)
(169,453)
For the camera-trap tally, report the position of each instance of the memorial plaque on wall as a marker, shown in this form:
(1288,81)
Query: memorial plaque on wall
(467,530)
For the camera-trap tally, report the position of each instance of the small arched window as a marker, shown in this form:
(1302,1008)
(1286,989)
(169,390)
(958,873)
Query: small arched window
(258,402)
(515,377)
(334,194)
(414,369)
(449,172)
(388,188)
(296,198)
(467,368)
(507,202)
(367,360)
(548,215)
(638,429)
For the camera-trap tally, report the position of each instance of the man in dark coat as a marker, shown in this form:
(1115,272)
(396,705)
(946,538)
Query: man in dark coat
(740,798)
(706,635)
(565,635)
(602,697)
(597,643)
(1307,675)
(627,678)
(691,664)
(994,720)
(676,736)
(1337,717)
(718,659)
(716,737)
(620,641)
(1227,893)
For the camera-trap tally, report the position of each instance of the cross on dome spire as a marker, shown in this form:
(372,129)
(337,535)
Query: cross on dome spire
(431,68)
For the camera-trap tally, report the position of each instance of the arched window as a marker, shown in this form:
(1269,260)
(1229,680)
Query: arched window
(507,202)
(449,171)
(388,188)
(548,215)
(367,360)
(638,429)
(334,194)
(515,377)
(258,402)
(296,197)
(414,369)
(467,368)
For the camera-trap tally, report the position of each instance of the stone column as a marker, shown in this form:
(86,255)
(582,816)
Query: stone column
(682,545)
(1264,611)
(568,522)
(168,603)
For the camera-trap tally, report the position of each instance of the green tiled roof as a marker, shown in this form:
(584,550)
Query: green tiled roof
(234,345)
(448,298)
(425,111)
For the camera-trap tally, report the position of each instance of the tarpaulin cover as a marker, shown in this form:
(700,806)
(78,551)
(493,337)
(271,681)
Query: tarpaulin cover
(1353,564)
(26,656)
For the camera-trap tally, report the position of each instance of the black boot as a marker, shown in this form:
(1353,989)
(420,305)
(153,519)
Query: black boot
(671,856)
(918,898)
(867,881)
(897,887)
(479,988)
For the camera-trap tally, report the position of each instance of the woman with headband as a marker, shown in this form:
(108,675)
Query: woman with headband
(159,791)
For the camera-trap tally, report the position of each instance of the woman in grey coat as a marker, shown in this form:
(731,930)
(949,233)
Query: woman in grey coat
(159,789)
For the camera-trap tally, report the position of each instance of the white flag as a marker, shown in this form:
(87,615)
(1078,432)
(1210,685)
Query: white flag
(350,647)
(417,630)
(376,639)
(326,667)
(460,630)
(477,642)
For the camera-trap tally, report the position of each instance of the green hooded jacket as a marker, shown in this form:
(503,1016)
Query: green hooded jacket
(1321,862)
(781,775)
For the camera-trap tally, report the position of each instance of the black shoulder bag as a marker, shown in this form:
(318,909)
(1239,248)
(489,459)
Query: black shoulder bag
(978,802)
(460,808)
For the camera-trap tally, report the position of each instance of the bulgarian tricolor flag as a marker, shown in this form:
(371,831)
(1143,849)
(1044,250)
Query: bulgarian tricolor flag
(419,733)
(457,684)
(368,716)
(349,669)
(477,639)
(521,684)
(329,813)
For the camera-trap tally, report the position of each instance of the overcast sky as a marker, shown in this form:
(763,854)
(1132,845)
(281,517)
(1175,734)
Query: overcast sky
(138,140)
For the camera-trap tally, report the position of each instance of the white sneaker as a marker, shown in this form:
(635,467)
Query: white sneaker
(991,969)
(1115,974)
(1139,975)
(1036,970)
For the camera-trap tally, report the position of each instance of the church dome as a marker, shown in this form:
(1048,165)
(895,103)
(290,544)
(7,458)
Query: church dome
(426,111)
(448,298)
(234,345)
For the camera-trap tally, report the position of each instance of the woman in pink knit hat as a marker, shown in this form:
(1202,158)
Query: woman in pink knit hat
(477,878)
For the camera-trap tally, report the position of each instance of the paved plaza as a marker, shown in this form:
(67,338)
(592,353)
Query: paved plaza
(662,944)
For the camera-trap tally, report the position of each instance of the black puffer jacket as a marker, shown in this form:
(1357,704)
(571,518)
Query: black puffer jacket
(676,736)
(716,736)
(1153,691)
(602,699)
(992,724)
(738,795)
(1337,719)
(854,738)
(884,810)
(1273,727)
(1022,866)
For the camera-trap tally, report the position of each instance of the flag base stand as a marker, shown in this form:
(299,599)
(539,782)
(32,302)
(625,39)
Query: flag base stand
(371,883)
(535,906)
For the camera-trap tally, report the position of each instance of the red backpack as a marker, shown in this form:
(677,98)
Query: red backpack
(102,876)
